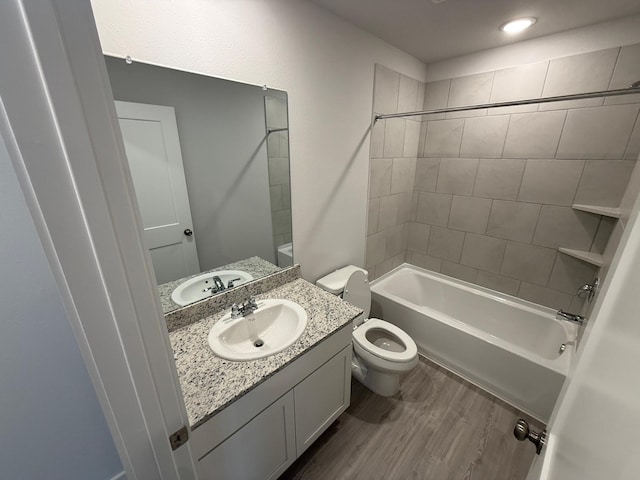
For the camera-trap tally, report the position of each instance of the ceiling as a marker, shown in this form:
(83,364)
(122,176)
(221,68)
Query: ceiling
(433,30)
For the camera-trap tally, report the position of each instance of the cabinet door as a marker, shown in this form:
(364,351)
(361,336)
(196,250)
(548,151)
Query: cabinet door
(321,398)
(260,450)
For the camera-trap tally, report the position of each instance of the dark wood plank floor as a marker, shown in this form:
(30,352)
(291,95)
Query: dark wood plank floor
(438,427)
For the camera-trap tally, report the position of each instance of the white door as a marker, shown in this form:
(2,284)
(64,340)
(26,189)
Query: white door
(150,134)
(595,425)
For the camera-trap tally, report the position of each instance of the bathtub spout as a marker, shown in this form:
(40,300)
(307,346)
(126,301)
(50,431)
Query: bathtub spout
(570,317)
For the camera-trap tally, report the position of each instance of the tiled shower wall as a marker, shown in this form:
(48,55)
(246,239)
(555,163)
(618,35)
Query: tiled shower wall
(493,189)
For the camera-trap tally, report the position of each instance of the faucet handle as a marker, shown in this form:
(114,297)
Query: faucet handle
(235,310)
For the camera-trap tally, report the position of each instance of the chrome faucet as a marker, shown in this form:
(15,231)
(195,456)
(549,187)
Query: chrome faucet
(218,285)
(569,317)
(589,288)
(244,309)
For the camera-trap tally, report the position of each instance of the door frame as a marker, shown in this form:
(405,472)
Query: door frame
(58,120)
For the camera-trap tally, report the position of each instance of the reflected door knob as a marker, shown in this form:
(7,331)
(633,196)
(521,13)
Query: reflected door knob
(522,433)
(188,232)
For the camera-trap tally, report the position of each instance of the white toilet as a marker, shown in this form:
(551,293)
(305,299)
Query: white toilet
(382,351)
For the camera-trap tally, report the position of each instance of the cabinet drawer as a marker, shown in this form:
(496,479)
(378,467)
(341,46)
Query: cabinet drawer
(262,449)
(321,398)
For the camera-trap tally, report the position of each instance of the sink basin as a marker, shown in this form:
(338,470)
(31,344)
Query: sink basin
(195,288)
(274,326)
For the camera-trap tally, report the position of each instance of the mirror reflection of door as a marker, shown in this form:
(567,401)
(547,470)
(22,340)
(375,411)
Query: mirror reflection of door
(152,144)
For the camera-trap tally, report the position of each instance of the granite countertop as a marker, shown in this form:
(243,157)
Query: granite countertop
(256,266)
(210,383)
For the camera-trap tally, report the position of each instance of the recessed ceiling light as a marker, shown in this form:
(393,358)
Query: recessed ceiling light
(518,25)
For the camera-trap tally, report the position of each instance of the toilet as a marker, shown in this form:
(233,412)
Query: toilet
(381,351)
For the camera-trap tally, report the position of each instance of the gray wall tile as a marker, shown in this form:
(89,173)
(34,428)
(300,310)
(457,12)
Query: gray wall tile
(626,72)
(550,181)
(499,178)
(589,72)
(445,243)
(405,204)
(443,138)
(388,265)
(424,261)
(436,95)
(385,90)
(498,282)
(418,237)
(462,272)
(377,139)
(394,137)
(565,227)
(603,182)
(545,296)
(376,247)
(530,263)
(569,274)
(519,83)
(394,241)
(433,208)
(633,147)
(482,252)
(380,177)
(408,94)
(372,216)
(597,133)
(484,136)
(388,215)
(513,220)
(605,228)
(427,174)
(403,174)
(469,214)
(420,97)
(411,138)
(457,175)
(534,135)
(470,90)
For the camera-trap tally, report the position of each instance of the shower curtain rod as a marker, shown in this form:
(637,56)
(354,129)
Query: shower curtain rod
(634,88)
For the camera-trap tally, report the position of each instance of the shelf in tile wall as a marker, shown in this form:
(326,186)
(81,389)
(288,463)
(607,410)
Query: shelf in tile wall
(589,257)
(613,212)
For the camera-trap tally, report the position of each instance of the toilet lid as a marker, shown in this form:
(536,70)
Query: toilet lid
(357,292)
(360,337)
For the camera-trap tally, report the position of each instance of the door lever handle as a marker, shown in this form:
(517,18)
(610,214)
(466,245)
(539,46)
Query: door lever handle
(522,433)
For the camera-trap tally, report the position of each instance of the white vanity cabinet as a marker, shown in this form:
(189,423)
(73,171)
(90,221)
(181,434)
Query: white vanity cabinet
(261,434)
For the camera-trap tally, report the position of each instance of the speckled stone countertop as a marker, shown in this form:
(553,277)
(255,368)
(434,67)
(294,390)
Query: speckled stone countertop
(256,266)
(210,383)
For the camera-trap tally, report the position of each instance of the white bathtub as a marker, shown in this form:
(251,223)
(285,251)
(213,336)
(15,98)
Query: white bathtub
(505,345)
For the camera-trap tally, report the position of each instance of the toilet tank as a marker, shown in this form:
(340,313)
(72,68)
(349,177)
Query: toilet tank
(335,281)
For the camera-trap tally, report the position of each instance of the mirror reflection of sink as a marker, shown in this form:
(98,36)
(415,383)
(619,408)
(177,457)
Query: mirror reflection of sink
(199,287)
(273,327)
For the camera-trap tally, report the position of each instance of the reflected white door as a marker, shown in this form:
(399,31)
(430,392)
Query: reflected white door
(151,140)
(595,425)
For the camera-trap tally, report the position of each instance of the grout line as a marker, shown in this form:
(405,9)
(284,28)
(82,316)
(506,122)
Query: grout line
(636,124)
(575,194)
(521,179)
(564,123)
(613,70)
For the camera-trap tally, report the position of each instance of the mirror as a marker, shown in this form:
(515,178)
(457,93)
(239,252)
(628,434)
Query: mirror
(209,160)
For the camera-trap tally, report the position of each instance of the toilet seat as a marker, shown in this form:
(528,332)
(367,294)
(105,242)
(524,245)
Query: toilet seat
(407,355)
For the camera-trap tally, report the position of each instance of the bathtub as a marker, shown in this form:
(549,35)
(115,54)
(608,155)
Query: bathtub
(504,345)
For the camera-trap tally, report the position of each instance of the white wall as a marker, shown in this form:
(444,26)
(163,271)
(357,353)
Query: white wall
(51,424)
(616,33)
(325,64)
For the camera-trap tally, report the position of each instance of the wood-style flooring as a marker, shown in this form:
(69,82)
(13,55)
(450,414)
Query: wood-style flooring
(437,427)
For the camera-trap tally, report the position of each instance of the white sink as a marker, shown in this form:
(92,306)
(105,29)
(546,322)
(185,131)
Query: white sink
(274,326)
(196,288)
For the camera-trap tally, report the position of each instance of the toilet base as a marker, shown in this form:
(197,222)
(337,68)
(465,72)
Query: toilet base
(382,383)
